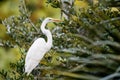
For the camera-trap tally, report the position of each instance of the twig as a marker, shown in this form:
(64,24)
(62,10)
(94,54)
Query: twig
(106,21)
(26,13)
(93,28)
(77,68)
(24,6)
(86,39)
(115,44)
(79,76)
(110,76)
(74,50)
(118,69)
(33,25)
(82,37)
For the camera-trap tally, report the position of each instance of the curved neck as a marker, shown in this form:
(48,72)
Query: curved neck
(47,33)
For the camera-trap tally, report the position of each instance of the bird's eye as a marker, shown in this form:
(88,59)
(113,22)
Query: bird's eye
(50,19)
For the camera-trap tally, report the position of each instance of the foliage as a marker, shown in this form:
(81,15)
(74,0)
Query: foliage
(85,47)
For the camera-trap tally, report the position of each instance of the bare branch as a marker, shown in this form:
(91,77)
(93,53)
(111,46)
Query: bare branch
(115,44)
(109,77)
(82,37)
(33,25)
(112,19)
(27,14)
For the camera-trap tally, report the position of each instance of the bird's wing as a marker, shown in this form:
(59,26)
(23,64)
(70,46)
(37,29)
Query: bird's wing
(37,50)
(35,54)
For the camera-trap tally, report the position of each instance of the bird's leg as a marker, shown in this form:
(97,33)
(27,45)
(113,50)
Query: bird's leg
(36,71)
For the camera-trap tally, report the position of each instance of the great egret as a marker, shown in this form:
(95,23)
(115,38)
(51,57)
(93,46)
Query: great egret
(39,47)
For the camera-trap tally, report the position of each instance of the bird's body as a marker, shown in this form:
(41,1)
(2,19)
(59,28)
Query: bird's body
(35,54)
(38,48)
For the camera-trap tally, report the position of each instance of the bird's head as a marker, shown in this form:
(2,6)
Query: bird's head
(52,20)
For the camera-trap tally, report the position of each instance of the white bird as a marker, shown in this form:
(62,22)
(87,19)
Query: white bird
(39,47)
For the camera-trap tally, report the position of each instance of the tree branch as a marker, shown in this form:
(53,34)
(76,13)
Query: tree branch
(110,76)
(112,19)
(114,44)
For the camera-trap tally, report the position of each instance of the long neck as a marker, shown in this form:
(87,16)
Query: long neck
(47,33)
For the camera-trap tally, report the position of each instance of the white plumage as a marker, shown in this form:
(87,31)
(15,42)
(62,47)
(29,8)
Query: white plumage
(39,48)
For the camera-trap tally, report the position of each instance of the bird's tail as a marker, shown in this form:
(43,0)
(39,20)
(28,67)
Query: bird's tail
(30,65)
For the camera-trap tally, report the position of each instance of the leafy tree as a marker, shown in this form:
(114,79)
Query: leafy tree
(85,47)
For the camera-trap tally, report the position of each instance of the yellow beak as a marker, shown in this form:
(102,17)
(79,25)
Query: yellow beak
(57,20)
